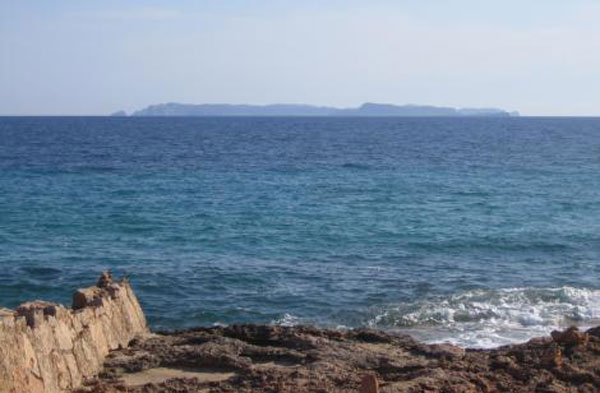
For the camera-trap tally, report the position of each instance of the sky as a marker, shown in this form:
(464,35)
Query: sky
(74,57)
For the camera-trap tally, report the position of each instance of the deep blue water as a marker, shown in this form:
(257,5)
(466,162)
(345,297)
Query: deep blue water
(477,231)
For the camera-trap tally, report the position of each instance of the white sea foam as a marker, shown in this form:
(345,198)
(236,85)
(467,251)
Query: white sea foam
(490,318)
(286,320)
(483,318)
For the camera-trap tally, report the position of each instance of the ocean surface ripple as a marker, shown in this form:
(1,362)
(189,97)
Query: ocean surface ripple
(478,231)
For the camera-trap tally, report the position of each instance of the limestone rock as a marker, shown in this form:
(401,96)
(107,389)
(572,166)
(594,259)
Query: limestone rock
(36,312)
(49,348)
(87,297)
(105,280)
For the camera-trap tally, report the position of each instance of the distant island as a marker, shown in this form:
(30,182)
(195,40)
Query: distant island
(365,110)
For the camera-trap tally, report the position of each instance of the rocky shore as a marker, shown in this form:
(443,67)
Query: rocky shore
(259,358)
(250,358)
(49,348)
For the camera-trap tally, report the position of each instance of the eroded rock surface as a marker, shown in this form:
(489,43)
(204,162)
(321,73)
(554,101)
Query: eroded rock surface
(102,343)
(49,348)
(251,358)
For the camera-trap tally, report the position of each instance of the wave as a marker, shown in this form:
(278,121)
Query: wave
(490,318)
(287,320)
(478,318)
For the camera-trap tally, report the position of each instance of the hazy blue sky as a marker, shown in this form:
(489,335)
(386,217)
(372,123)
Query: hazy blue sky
(94,57)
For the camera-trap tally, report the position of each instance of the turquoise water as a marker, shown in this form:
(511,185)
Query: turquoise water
(475,231)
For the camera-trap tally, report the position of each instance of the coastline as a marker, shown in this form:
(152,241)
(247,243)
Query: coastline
(104,338)
(259,358)
(390,224)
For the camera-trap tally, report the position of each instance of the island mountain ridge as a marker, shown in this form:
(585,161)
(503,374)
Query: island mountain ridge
(365,110)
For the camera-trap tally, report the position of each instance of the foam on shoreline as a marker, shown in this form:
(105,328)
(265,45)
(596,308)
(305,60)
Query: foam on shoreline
(490,318)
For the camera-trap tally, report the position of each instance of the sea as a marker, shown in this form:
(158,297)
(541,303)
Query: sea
(474,231)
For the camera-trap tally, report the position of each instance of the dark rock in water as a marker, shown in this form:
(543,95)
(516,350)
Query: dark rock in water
(594,331)
(570,337)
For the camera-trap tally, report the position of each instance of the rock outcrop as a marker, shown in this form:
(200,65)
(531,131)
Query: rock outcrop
(49,348)
(302,359)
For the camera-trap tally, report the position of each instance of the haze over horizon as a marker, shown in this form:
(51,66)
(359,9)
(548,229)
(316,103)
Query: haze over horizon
(94,58)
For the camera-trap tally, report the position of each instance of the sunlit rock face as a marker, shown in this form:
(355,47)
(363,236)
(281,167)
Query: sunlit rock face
(50,348)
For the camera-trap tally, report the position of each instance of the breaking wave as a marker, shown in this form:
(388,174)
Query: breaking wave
(287,320)
(490,318)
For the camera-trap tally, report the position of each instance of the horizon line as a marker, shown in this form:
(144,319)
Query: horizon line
(296,116)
